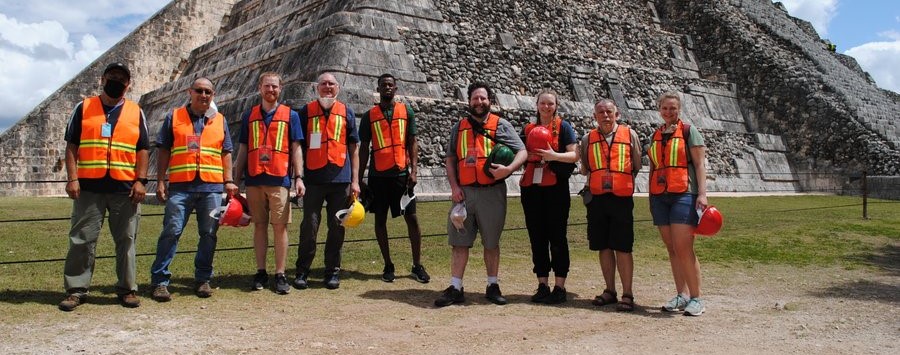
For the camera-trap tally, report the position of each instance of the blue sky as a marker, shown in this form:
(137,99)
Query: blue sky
(45,43)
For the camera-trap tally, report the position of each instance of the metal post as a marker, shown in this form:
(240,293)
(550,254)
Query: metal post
(865,193)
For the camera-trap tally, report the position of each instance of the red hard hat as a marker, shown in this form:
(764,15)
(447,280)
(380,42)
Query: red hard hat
(710,222)
(538,138)
(237,212)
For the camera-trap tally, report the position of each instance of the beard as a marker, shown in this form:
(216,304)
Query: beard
(480,110)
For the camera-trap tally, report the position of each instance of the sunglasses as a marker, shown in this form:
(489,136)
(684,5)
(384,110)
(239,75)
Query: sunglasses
(203,91)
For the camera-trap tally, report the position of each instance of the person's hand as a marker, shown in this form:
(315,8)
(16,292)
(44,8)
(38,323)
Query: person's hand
(138,191)
(547,154)
(701,202)
(161,191)
(500,171)
(73,189)
(354,188)
(301,188)
(413,179)
(231,189)
(456,194)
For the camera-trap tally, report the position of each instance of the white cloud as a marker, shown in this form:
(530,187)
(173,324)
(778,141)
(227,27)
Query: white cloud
(45,43)
(881,60)
(817,12)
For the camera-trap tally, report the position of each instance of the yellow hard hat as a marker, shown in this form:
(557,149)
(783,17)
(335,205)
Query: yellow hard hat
(352,216)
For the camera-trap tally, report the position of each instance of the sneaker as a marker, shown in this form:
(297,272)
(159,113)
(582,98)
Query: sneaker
(450,296)
(420,275)
(694,307)
(203,290)
(332,281)
(260,280)
(542,292)
(161,294)
(388,274)
(71,302)
(557,296)
(676,304)
(300,281)
(493,294)
(281,284)
(130,300)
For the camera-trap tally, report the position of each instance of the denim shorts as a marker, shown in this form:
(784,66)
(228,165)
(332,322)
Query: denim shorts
(673,209)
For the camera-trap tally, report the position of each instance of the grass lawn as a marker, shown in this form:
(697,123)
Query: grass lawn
(795,231)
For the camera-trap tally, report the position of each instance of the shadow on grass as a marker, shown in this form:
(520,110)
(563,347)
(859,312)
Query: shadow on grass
(886,258)
(100,295)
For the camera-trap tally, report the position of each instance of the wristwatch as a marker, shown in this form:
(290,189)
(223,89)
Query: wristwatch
(143,181)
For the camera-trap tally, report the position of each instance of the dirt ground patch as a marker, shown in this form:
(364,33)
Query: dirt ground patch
(761,309)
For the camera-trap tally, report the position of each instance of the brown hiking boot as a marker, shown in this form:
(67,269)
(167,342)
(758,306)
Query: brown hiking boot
(203,290)
(161,294)
(130,300)
(71,302)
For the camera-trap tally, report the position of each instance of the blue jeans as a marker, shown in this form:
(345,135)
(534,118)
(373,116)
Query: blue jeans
(178,212)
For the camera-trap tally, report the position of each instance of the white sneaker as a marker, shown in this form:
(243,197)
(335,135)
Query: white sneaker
(676,304)
(694,307)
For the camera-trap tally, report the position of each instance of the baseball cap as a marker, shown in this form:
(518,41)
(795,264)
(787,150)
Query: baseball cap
(117,65)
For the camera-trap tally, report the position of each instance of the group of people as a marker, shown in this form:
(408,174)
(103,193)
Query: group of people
(316,153)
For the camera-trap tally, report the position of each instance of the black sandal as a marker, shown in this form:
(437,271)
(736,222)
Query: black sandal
(605,298)
(626,304)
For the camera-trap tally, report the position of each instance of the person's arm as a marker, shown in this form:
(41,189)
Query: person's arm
(585,145)
(363,159)
(240,164)
(412,152)
(73,187)
(231,188)
(698,156)
(456,193)
(162,165)
(354,168)
(636,163)
(138,190)
(297,161)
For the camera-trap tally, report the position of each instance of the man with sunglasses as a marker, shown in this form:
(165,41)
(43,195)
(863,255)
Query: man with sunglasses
(194,146)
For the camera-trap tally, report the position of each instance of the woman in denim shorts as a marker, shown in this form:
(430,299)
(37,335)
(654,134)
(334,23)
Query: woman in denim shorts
(677,189)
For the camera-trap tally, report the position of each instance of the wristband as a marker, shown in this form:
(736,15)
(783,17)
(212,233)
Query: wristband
(75,179)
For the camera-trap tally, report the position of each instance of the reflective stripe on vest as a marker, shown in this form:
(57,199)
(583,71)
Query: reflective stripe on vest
(668,163)
(276,135)
(611,163)
(548,177)
(389,138)
(184,164)
(333,130)
(479,146)
(118,154)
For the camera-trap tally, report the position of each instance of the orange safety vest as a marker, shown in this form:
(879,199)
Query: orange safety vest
(389,138)
(610,165)
(333,149)
(276,137)
(207,158)
(471,168)
(548,177)
(116,154)
(669,162)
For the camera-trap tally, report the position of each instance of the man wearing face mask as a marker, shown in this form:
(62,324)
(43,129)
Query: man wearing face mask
(331,171)
(106,162)
(471,140)
(194,146)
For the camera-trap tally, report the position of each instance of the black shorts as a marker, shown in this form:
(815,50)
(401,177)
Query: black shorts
(386,192)
(611,223)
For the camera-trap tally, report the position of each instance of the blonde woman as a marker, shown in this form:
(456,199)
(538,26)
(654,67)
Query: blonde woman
(677,189)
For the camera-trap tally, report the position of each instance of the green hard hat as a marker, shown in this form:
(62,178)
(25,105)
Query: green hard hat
(502,155)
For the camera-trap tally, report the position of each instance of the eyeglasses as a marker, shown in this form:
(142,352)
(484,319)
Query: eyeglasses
(203,91)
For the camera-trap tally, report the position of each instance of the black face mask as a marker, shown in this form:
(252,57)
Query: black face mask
(115,89)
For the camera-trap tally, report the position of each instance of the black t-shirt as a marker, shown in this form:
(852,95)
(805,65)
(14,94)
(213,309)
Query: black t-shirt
(105,184)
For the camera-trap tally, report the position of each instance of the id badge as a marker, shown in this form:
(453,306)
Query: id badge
(193,144)
(265,155)
(607,182)
(106,130)
(315,140)
(538,175)
(470,157)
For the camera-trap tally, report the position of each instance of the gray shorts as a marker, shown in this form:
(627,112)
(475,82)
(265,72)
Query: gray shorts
(486,212)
